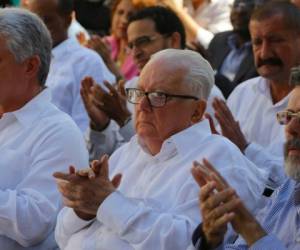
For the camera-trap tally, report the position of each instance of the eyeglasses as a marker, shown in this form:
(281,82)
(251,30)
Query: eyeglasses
(141,42)
(284,117)
(156,99)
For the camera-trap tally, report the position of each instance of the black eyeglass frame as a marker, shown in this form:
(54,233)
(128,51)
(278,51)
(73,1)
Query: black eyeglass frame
(166,96)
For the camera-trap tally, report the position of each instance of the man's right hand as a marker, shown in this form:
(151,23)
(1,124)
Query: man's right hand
(219,205)
(99,119)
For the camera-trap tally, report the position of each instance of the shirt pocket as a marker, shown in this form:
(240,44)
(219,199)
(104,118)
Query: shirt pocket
(13,166)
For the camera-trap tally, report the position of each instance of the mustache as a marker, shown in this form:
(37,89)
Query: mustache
(292,143)
(270,61)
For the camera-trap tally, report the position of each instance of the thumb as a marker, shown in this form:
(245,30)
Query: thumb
(211,123)
(121,88)
(116,180)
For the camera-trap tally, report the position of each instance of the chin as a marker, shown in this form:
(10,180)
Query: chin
(292,167)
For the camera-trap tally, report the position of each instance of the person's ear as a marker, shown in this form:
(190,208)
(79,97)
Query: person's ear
(32,66)
(199,111)
(175,40)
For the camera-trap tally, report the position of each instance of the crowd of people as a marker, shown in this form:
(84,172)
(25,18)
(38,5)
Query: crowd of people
(178,127)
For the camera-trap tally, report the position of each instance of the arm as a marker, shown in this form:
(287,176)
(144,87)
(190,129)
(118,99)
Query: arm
(103,142)
(217,206)
(28,213)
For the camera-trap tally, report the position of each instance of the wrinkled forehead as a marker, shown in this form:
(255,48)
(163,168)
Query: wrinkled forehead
(161,75)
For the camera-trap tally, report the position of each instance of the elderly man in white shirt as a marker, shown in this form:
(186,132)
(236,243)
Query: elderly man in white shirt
(70,62)
(145,38)
(154,205)
(35,136)
(274,29)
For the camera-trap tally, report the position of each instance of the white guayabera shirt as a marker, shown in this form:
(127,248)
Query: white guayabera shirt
(35,141)
(156,205)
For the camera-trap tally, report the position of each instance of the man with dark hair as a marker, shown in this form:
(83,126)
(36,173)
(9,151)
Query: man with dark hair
(249,120)
(70,62)
(230,52)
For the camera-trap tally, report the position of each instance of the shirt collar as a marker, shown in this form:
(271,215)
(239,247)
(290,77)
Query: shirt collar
(31,110)
(263,87)
(179,143)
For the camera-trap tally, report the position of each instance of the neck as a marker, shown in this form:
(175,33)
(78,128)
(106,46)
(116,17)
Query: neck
(59,41)
(242,37)
(153,146)
(279,90)
(18,101)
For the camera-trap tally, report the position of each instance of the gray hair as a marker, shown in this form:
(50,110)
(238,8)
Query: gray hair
(199,76)
(26,36)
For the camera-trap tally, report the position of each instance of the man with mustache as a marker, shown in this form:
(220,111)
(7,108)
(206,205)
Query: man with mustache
(278,225)
(249,119)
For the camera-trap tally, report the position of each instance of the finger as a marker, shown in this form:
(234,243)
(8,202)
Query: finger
(225,208)
(203,170)
(87,83)
(96,166)
(72,170)
(224,220)
(220,179)
(104,167)
(87,172)
(214,200)
(62,176)
(222,106)
(98,91)
(197,174)
(112,90)
(206,191)
(121,87)
(211,123)
(117,180)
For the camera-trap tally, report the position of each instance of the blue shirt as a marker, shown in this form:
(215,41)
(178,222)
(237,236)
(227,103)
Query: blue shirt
(281,220)
(233,60)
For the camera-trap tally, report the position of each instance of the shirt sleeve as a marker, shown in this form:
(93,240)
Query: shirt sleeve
(143,226)
(269,242)
(28,212)
(68,223)
(104,142)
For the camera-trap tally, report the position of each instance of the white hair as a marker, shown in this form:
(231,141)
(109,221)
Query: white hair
(26,36)
(199,76)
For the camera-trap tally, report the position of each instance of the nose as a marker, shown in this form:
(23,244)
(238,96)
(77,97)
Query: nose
(144,105)
(293,127)
(265,50)
(124,19)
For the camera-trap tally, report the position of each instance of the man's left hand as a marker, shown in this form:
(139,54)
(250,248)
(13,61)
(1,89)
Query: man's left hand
(229,127)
